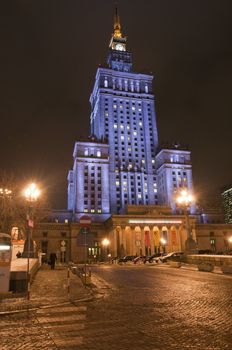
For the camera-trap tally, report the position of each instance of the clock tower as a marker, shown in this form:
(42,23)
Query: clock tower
(118,58)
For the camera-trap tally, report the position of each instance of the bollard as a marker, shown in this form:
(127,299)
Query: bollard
(68,282)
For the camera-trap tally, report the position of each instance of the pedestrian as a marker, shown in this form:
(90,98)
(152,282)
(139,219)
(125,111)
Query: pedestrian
(53,259)
(19,254)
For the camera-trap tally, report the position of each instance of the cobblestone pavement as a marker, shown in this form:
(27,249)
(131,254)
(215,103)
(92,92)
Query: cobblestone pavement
(160,308)
(143,308)
(45,328)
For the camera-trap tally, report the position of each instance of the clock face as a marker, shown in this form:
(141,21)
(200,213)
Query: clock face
(119,47)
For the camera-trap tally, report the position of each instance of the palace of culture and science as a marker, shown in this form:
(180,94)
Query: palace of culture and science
(122,163)
(123,180)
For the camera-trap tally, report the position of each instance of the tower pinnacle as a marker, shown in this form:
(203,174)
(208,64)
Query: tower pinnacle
(117,25)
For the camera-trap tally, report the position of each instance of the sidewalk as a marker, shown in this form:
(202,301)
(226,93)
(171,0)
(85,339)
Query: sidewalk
(50,287)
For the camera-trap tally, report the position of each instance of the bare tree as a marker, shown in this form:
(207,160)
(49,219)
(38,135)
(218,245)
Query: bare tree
(15,210)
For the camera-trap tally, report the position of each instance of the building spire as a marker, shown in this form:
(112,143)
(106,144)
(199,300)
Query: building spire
(117,25)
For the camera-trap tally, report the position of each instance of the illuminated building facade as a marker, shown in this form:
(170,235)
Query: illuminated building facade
(88,182)
(123,114)
(227,203)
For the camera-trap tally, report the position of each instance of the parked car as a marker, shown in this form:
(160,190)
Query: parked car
(176,256)
(139,259)
(127,258)
(153,257)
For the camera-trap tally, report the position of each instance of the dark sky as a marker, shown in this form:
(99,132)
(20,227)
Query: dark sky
(50,50)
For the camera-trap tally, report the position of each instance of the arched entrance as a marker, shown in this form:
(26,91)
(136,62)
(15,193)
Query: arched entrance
(138,238)
(156,235)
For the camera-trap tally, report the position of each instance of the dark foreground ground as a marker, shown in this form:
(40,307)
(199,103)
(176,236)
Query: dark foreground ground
(144,307)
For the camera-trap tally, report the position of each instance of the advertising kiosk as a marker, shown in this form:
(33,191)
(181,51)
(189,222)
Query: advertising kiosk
(5,262)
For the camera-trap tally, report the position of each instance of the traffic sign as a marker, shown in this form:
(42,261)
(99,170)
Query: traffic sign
(85,221)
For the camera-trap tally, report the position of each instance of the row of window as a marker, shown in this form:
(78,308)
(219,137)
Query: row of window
(126,85)
(92,152)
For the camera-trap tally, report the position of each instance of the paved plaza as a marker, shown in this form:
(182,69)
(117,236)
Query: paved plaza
(144,307)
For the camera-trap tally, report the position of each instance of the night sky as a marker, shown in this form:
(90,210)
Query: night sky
(49,54)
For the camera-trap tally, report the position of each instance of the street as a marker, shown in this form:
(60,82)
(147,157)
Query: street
(144,307)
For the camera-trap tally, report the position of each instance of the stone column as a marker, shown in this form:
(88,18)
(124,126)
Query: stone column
(142,241)
(113,240)
(152,241)
(123,241)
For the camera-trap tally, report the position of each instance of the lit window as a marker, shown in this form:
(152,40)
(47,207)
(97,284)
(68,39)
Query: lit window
(129,149)
(171,159)
(66,221)
(128,138)
(143,161)
(140,124)
(85,210)
(135,133)
(117,183)
(99,211)
(115,126)
(98,153)
(105,83)
(155,190)
(155,185)
(124,183)
(121,106)
(106,114)
(121,126)
(92,211)
(86,152)
(139,195)
(122,137)
(140,110)
(128,127)
(115,106)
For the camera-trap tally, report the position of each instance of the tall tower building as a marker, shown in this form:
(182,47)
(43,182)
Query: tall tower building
(227,203)
(121,164)
(123,112)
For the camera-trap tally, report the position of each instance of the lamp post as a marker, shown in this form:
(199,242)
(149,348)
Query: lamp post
(184,200)
(105,244)
(31,194)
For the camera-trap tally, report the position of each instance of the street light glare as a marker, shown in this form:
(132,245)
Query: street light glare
(163,241)
(32,192)
(185,198)
(105,242)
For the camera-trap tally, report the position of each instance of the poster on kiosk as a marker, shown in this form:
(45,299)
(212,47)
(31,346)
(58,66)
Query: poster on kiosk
(5,261)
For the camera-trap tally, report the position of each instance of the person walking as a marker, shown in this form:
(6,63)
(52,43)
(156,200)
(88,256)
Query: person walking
(53,259)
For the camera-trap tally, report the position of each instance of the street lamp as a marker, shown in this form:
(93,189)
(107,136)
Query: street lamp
(5,192)
(184,200)
(230,243)
(105,244)
(163,242)
(31,194)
